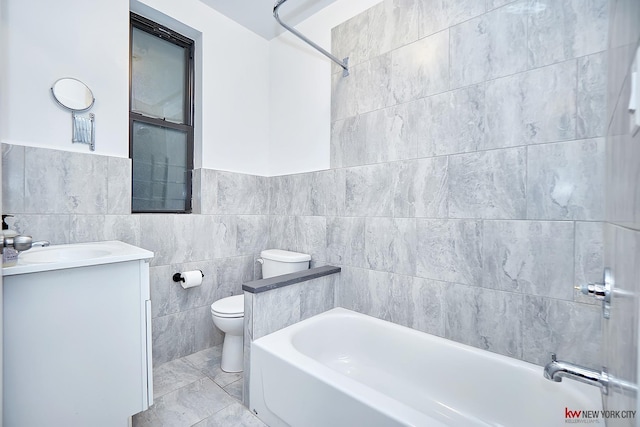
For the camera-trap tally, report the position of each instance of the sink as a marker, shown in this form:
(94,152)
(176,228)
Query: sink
(74,255)
(61,253)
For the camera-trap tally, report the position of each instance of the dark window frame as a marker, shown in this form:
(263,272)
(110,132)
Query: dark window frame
(164,33)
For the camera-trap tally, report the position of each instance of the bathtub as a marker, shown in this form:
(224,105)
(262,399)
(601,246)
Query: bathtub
(342,368)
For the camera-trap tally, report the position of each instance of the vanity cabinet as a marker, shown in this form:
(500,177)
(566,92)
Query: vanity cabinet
(77,336)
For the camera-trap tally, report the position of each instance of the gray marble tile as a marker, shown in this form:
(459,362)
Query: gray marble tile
(173,375)
(426,306)
(417,303)
(205,191)
(163,291)
(198,296)
(317,296)
(241,194)
(291,195)
(487,319)
(222,241)
(54,228)
(439,15)
(488,184)
(453,122)
(206,333)
(565,30)
(373,80)
(282,232)
(230,274)
(164,246)
(327,192)
(390,245)
(347,143)
(208,362)
(430,188)
(13,178)
(344,94)
(489,46)
(387,135)
(493,4)
(566,180)
(530,257)
(275,310)
(234,390)
(172,336)
(353,292)
(252,235)
(188,405)
(247,339)
(532,107)
(369,191)
(620,331)
(392,23)
(569,329)
(351,39)
(64,182)
(592,95)
(346,241)
(119,186)
(404,188)
(123,227)
(94,228)
(622,191)
(420,69)
(449,250)
(311,238)
(589,257)
(233,415)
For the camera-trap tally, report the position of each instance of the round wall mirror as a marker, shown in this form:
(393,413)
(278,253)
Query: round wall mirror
(72,94)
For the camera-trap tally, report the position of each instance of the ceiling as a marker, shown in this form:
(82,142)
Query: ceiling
(257,15)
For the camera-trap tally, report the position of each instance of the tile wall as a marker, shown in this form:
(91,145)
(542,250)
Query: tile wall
(468,159)
(69,197)
(622,230)
(464,198)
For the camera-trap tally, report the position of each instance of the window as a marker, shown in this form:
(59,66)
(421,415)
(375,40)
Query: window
(160,118)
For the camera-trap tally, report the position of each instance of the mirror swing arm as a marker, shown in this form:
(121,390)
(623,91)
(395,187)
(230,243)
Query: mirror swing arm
(75,96)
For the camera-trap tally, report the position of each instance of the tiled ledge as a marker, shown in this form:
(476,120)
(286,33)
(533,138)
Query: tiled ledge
(258,286)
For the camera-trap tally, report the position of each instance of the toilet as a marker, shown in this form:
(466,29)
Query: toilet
(228,313)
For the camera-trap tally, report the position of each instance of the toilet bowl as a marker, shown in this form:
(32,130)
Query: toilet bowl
(228,316)
(228,313)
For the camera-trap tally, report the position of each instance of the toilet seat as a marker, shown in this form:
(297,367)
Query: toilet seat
(229,307)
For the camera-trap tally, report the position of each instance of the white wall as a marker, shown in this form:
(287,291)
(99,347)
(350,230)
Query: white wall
(90,41)
(67,38)
(264,107)
(300,91)
(234,85)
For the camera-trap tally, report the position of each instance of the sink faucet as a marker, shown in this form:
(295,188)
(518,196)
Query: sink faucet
(43,243)
(558,369)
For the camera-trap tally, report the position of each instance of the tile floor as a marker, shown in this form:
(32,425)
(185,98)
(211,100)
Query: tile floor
(194,391)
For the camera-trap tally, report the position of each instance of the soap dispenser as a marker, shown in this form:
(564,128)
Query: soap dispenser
(9,254)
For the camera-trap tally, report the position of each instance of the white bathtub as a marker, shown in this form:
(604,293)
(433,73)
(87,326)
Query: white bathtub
(342,368)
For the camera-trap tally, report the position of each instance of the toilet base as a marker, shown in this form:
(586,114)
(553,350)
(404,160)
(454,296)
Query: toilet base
(232,353)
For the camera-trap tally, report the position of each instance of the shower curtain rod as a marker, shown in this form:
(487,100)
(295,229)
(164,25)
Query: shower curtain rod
(342,64)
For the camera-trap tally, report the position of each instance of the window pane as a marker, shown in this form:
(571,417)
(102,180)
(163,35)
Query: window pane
(158,73)
(160,170)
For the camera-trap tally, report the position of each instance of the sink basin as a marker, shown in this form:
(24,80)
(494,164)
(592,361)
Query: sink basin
(75,255)
(61,253)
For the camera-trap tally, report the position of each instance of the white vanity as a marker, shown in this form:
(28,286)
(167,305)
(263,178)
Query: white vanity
(77,336)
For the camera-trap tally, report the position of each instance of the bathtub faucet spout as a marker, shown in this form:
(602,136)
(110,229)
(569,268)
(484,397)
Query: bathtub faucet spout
(558,369)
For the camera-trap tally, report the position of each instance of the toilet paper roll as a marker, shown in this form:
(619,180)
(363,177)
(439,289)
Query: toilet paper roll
(191,278)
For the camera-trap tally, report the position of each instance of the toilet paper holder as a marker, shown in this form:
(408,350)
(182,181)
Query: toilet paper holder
(178,277)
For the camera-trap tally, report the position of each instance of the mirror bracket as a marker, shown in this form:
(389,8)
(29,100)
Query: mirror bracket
(83,129)
(75,96)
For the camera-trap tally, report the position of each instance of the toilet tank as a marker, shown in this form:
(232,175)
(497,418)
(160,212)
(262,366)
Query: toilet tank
(276,262)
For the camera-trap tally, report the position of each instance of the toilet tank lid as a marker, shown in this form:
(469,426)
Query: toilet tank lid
(284,256)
